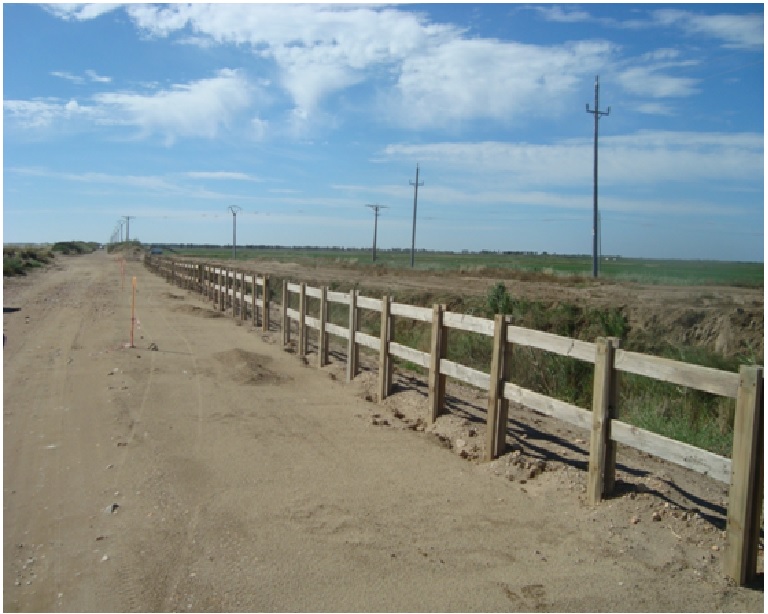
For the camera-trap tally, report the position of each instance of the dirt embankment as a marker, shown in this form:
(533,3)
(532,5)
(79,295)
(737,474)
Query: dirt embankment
(208,469)
(723,319)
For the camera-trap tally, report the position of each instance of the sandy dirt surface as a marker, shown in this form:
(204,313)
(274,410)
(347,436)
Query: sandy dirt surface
(209,469)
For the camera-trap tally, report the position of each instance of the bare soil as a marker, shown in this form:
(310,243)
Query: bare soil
(208,468)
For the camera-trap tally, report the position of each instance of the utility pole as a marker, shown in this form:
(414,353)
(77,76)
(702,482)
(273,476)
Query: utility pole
(597,113)
(235,210)
(415,200)
(128,219)
(121,222)
(375,224)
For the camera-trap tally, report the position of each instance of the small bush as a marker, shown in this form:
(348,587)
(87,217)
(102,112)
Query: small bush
(12,266)
(499,301)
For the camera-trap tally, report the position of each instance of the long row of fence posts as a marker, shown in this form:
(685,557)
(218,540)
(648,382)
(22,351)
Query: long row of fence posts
(744,471)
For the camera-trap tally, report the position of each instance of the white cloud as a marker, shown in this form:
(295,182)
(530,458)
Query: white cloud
(321,49)
(318,49)
(464,79)
(197,109)
(43,114)
(93,76)
(61,74)
(80,12)
(640,159)
(221,175)
(562,15)
(653,108)
(650,81)
(735,31)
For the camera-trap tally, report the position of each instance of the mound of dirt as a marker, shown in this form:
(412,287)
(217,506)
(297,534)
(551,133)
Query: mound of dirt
(248,368)
(194,310)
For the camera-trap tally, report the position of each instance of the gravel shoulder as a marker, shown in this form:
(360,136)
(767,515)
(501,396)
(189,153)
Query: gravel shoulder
(219,472)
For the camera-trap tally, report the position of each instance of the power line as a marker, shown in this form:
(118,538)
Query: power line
(597,113)
(235,210)
(415,200)
(128,219)
(375,224)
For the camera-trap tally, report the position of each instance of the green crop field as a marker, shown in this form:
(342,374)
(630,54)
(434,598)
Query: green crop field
(671,272)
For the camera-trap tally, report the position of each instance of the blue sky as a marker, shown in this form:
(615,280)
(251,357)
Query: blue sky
(302,114)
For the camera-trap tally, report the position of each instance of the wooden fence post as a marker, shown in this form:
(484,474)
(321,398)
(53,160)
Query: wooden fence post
(286,320)
(437,350)
(351,345)
(243,304)
(265,305)
(322,343)
(223,289)
(602,450)
(385,360)
(745,498)
(498,407)
(303,341)
(234,293)
(217,289)
(254,292)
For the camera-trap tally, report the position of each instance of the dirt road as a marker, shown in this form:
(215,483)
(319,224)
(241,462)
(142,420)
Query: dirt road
(219,473)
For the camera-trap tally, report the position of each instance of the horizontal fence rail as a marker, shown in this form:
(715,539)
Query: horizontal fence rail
(237,290)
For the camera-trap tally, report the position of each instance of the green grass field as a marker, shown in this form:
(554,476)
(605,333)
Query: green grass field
(669,272)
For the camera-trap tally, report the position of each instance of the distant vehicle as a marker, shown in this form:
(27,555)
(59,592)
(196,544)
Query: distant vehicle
(156,251)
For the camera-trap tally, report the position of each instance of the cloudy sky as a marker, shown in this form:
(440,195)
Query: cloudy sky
(303,114)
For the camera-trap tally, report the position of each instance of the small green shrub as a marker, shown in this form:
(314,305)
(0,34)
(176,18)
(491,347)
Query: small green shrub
(498,301)
(12,266)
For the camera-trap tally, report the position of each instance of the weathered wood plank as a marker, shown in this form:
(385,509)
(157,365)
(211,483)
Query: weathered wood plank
(561,410)
(335,329)
(465,374)
(422,314)
(322,343)
(701,461)
(286,323)
(385,360)
(368,340)
(496,418)
(292,287)
(603,409)
(565,346)
(312,322)
(313,292)
(745,500)
(338,297)
(374,304)
(303,340)
(436,353)
(692,376)
(469,323)
(415,356)
(351,344)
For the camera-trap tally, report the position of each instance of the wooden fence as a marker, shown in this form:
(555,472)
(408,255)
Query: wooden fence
(744,471)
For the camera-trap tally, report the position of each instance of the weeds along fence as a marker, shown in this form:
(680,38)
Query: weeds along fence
(235,289)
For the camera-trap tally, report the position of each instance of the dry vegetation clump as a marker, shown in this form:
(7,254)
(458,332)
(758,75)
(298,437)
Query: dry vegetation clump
(17,260)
